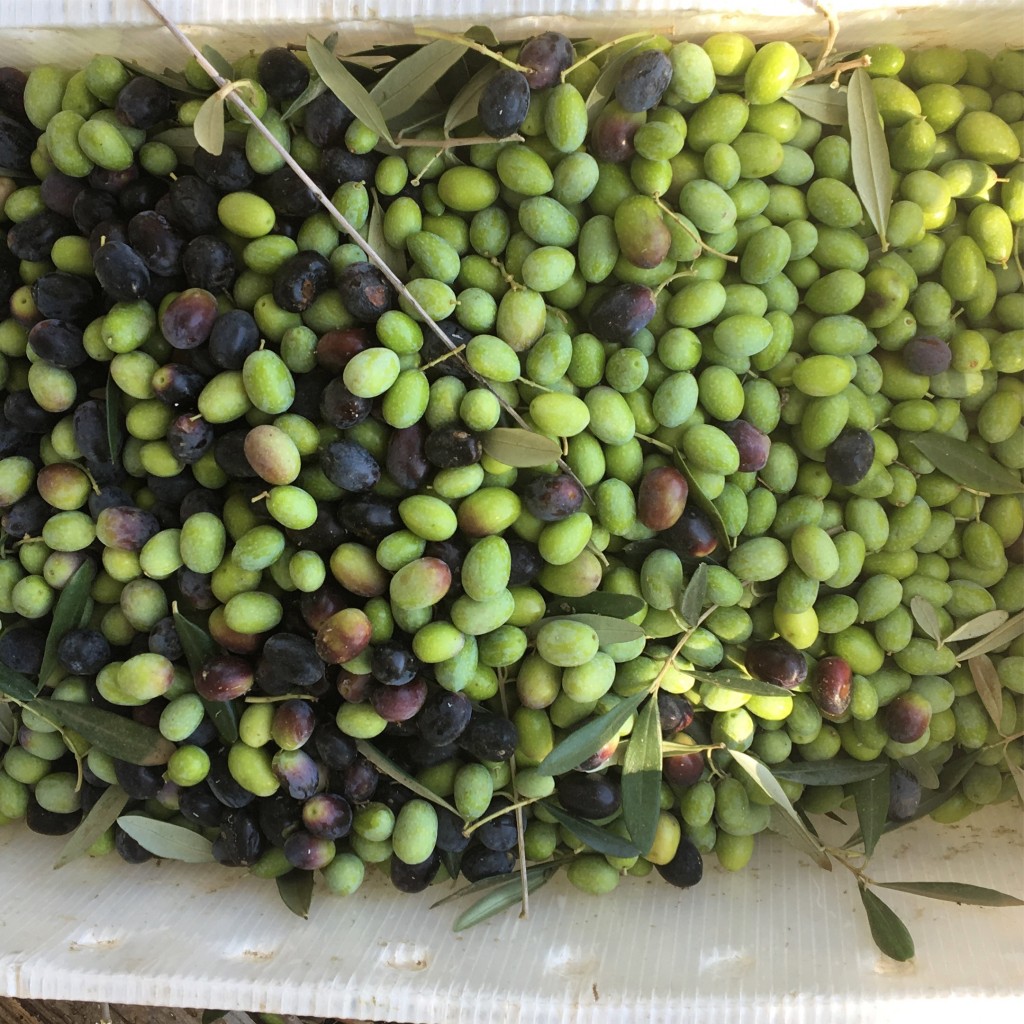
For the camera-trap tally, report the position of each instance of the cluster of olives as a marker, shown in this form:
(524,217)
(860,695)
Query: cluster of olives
(215,400)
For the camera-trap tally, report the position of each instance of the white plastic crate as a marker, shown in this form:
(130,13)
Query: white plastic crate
(779,941)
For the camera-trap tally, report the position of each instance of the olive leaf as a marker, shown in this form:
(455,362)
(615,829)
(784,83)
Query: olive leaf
(114,734)
(888,931)
(174,80)
(15,685)
(10,172)
(609,630)
(966,464)
(926,617)
(7,725)
(871,800)
(980,625)
(589,738)
(389,768)
(869,153)
(738,682)
(296,891)
(464,106)
(166,840)
(641,777)
(507,893)
(617,606)
(493,881)
(604,86)
(956,892)
(219,61)
(208,126)
(1001,635)
(394,258)
(101,816)
(990,689)
(922,769)
(828,773)
(820,102)
(316,87)
(212,1016)
(181,140)
(112,408)
(342,83)
(515,446)
(72,604)
(425,111)
(600,840)
(785,819)
(707,506)
(482,34)
(410,78)
(197,646)
(696,591)
(1018,777)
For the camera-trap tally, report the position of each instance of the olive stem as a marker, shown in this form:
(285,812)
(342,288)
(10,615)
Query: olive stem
(600,49)
(834,69)
(518,805)
(693,234)
(653,440)
(372,255)
(442,358)
(473,45)
(680,644)
(451,143)
(832,18)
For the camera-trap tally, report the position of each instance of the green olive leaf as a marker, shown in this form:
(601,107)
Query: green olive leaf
(296,892)
(871,800)
(999,637)
(389,768)
(212,1016)
(1018,776)
(464,106)
(692,601)
(315,88)
(820,102)
(342,83)
(980,625)
(604,86)
(589,738)
(739,682)
(410,78)
(600,840)
(72,605)
(15,685)
(10,172)
(785,820)
(956,892)
(990,689)
(641,777)
(514,446)
(609,630)
(494,881)
(507,893)
(181,140)
(869,153)
(888,931)
(707,506)
(219,61)
(208,126)
(166,840)
(198,645)
(174,80)
(102,815)
(967,465)
(617,606)
(922,769)
(114,734)
(828,773)
(394,258)
(112,408)
(482,34)
(7,726)
(926,617)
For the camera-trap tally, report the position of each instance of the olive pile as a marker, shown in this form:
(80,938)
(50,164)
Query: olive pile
(222,409)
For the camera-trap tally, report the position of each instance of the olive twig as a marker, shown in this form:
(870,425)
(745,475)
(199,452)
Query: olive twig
(517,807)
(600,49)
(431,33)
(455,140)
(342,221)
(680,644)
(835,70)
(832,19)
(693,234)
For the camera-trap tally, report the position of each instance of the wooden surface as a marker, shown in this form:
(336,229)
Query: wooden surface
(31,1011)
